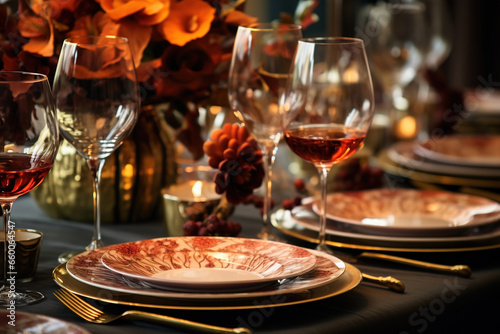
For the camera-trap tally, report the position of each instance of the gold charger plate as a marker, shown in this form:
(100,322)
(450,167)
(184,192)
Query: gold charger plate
(283,221)
(346,282)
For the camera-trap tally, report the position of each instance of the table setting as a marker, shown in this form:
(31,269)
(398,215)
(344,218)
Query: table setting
(234,220)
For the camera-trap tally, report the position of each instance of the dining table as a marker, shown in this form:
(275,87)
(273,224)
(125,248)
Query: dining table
(433,302)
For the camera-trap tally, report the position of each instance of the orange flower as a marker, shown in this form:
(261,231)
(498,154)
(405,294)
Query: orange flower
(236,18)
(102,24)
(144,12)
(38,27)
(188,20)
(58,6)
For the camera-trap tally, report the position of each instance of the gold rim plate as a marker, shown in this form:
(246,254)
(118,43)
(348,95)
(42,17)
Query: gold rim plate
(283,221)
(396,169)
(346,282)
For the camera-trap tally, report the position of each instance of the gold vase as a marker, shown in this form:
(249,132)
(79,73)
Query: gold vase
(131,181)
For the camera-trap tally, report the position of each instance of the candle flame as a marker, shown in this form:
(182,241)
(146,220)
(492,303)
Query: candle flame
(197,189)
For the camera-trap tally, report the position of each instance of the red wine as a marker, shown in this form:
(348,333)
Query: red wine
(19,174)
(322,144)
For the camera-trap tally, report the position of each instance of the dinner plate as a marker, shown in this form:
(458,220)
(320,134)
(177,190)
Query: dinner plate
(305,228)
(350,278)
(403,153)
(208,263)
(36,324)
(465,150)
(409,212)
(88,269)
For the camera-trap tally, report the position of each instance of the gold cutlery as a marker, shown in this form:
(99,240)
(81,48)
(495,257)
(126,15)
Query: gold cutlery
(459,269)
(387,281)
(94,315)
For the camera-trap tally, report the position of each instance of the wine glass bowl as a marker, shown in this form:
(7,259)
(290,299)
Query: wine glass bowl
(29,142)
(260,64)
(97,99)
(396,49)
(329,106)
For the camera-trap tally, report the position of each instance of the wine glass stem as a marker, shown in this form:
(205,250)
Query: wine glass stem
(323,174)
(269,155)
(96,166)
(6,208)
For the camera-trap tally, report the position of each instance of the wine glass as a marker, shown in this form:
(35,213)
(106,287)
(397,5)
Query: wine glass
(329,106)
(29,139)
(260,65)
(396,49)
(97,98)
(439,31)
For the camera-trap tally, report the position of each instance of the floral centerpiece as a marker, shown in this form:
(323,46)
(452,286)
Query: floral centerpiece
(182,51)
(181,48)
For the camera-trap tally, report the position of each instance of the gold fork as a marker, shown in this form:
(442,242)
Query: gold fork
(92,314)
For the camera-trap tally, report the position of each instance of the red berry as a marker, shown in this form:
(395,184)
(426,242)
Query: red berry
(288,204)
(299,184)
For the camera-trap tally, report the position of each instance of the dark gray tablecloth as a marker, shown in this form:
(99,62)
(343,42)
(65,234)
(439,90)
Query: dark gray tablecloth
(432,303)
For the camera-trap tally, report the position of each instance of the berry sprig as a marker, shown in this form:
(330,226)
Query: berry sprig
(353,174)
(212,226)
(239,159)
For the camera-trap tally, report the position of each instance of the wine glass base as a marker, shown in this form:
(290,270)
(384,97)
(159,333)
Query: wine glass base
(19,297)
(270,237)
(64,257)
(324,249)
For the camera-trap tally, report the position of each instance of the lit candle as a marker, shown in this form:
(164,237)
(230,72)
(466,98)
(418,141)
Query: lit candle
(192,191)
(190,200)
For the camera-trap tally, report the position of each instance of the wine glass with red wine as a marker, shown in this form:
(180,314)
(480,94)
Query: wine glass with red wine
(329,106)
(29,139)
(262,56)
(97,99)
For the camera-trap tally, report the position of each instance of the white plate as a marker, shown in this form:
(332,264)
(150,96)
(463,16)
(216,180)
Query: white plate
(403,153)
(36,324)
(208,263)
(465,150)
(408,212)
(88,268)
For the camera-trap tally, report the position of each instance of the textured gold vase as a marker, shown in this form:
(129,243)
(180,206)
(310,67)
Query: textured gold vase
(131,181)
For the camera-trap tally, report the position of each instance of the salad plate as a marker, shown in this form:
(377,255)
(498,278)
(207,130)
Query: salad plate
(409,212)
(207,263)
(88,269)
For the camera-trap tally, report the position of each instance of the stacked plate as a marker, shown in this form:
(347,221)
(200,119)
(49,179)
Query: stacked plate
(400,220)
(457,160)
(206,273)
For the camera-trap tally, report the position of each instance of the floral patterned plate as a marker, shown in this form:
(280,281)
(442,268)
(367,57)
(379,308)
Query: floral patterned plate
(407,212)
(88,269)
(208,263)
(24,322)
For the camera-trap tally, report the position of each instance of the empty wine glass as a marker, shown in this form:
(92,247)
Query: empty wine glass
(329,107)
(97,99)
(29,139)
(260,65)
(439,31)
(396,49)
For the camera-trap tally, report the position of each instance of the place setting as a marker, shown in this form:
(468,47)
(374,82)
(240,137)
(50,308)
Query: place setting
(455,159)
(205,273)
(399,220)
